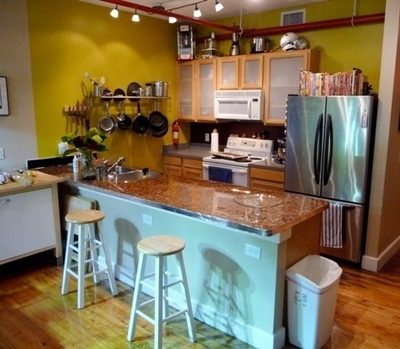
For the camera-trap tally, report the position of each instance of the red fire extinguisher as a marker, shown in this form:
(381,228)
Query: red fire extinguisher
(175,132)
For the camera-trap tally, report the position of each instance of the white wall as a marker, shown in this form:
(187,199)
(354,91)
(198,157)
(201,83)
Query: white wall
(18,130)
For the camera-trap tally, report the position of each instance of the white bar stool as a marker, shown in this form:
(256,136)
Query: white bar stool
(83,250)
(160,247)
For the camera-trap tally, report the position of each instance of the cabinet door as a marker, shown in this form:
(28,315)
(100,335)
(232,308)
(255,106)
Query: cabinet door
(251,71)
(27,224)
(192,168)
(186,75)
(281,79)
(265,178)
(173,165)
(228,72)
(206,88)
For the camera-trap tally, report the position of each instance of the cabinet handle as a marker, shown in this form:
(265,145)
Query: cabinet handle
(4,201)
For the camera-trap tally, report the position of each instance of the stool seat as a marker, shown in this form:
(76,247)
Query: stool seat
(84,216)
(82,252)
(163,245)
(159,248)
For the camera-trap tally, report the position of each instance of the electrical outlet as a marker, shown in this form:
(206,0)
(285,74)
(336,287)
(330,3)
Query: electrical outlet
(252,251)
(2,155)
(147,219)
(206,137)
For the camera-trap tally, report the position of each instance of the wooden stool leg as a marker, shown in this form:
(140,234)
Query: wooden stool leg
(93,253)
(136,297)
(110,273)
(67,261)
(158,302)
(185,289)
(81,266)
(165,291)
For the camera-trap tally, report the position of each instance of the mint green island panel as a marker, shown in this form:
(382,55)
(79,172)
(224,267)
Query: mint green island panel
(238,293)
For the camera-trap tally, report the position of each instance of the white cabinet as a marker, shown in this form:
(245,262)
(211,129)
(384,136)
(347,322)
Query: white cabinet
(28,224)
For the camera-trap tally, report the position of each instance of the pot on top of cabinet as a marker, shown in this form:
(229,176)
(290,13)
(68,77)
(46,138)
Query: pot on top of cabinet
(160,88)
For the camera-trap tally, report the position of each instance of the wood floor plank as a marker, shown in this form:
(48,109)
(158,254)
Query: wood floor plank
(33,313)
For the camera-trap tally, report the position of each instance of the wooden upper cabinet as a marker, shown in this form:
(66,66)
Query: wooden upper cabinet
(240,72)
(228,72)
(281,78)
(251,71)
(206,85)
(186,76)
(196,85)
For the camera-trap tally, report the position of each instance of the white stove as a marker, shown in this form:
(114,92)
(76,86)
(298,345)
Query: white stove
(231,165)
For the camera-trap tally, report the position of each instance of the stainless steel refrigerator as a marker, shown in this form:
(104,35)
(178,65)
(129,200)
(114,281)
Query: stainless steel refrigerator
(328,155)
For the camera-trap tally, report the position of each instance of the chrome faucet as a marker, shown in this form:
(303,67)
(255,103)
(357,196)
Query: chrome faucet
(119,162)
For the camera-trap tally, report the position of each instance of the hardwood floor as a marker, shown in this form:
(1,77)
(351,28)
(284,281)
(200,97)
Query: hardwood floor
(33,314)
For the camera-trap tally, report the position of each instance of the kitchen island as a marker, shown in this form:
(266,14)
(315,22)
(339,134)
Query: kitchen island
(235,265)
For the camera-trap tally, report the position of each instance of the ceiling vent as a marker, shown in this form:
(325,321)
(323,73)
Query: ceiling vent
(293,17)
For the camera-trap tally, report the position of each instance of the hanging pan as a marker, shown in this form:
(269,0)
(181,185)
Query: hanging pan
(140,123)
(124,121)
(158,124)
(133,90)
(107,123)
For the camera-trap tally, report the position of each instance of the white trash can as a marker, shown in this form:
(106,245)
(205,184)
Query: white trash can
(312,291)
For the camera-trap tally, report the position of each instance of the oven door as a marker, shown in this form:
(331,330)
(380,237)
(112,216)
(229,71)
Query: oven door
(239,174)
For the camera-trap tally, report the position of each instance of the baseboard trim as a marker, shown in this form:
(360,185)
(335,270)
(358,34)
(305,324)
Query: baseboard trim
(375,264)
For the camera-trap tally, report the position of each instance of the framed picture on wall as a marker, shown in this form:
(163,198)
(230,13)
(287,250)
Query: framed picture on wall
(4,110)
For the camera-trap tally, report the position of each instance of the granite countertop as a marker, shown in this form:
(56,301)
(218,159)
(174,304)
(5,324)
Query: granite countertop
(207,200)
(198,151)
(41,180)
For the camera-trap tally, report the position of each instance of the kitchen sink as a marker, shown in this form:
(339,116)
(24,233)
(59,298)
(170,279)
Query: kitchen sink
(126,175)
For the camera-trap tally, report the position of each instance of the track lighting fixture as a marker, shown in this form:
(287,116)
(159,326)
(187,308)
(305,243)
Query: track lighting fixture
(196,12)
(218,6)
(172,19)
(135,17)
(114,12)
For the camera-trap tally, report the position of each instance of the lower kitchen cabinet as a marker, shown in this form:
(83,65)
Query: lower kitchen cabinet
(189,168)
(192,168)
(173,165)
(261,178)
(29,224)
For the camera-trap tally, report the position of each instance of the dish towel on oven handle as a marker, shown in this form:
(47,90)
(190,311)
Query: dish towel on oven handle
(332,226)
(220,174)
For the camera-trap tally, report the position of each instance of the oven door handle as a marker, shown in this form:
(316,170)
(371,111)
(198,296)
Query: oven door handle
(234,170)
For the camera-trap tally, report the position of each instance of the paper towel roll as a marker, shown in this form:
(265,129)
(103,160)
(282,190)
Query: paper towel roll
(214,141)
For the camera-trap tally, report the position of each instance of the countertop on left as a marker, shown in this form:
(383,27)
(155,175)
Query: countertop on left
(41,180)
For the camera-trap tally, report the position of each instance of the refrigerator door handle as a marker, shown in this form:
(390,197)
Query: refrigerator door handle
(317,149)
(329,150)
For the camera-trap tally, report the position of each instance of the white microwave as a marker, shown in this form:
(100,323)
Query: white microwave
(239,105)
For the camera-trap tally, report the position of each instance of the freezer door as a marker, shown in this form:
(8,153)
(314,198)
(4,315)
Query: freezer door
(304,144)
(353,230)
(347,142)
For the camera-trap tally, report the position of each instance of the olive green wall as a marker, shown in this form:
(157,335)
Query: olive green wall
(340,49)
(69,38)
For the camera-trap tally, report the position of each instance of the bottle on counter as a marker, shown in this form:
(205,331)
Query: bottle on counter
(214,141)
(76,164)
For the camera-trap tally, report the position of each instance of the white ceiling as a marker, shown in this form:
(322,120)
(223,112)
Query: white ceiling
(232,8)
